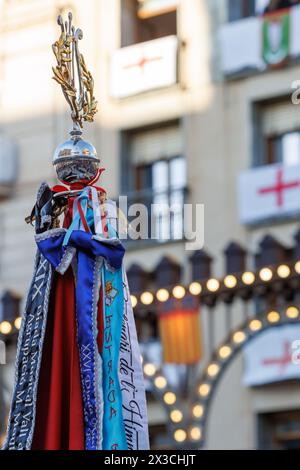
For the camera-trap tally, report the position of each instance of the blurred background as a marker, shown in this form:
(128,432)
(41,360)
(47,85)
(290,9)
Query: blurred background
(198,103)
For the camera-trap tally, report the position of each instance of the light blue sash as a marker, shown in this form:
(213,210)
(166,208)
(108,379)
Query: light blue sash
(113,307)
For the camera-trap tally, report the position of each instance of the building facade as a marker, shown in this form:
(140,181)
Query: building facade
(195,106)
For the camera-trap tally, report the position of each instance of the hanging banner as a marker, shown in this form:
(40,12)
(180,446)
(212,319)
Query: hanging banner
(150,8)
(269,192)
(276,37)
(273,356)
(180,330)
(143,67)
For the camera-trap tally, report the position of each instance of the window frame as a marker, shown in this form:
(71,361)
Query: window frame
(127,176)
(139,23)
(246,10)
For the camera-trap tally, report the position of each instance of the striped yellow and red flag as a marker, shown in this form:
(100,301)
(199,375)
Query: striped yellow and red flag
(180,330)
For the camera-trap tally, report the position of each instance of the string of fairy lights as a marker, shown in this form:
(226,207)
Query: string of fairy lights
(205,386)
(8,328)
(191,430)
(213,285)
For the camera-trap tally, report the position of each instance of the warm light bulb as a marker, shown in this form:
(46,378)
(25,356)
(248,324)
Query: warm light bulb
(283,271)
(230,281)
(149,369)
(162,295)
(133,301)
(176,416)
(213,370)
(213,285)
(179,292)
(248,278)
(255,325)
(204,390)
(196,433)
(239,337)
(169,398)
(160,382)
(195,288)
(297,267)
(5,328)
(198,411)
(18,322)
(273,317)
(266,274)
(224,352)
(180,435)
(147,298)
(292,312)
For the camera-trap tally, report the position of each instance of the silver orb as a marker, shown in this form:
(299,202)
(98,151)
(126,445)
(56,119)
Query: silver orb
(76,160)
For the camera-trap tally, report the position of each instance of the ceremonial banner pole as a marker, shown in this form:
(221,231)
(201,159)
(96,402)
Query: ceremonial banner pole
(79,381)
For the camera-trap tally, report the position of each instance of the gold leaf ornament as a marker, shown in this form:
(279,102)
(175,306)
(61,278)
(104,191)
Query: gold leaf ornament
(71,69)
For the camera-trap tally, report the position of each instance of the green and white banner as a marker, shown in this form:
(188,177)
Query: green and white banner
(276,37)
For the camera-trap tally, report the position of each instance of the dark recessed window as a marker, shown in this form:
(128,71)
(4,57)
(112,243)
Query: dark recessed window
(238,9)
(277,135)
(284,148)
(279,431)
(136,29)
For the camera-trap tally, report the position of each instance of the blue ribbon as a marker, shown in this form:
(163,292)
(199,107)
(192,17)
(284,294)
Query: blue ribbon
(86,309)
(100,385)
(114,437)
(83,200)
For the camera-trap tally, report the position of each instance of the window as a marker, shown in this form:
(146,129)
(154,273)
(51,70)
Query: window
(239,9)
(155,175)
(278,133)
(136,28)
(168,184)
(284,149)
(279,431)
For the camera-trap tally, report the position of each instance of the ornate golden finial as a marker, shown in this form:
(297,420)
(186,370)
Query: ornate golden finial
(71,73)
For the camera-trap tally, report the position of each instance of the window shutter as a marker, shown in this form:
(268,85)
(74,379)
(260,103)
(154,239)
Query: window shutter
(279,118)
(149,146)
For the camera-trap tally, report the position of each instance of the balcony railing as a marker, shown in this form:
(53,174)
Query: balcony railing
(242,42)
(160,214)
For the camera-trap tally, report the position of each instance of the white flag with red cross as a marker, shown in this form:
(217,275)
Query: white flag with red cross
(273,356)
(144,66)
(269,191)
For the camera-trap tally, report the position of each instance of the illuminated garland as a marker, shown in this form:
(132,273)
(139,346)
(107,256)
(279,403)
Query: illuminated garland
(192,429)
(230,282)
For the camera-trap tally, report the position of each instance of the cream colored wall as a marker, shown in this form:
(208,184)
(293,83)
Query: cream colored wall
(26,101)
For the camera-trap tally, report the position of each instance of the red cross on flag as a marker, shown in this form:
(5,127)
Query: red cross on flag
(273,356)
(269,191)
(144,66)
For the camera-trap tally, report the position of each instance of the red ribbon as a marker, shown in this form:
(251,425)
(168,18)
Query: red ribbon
(59,188)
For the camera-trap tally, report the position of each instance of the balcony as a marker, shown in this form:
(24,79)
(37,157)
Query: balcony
(144,67)
(160,216)
(242,42)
